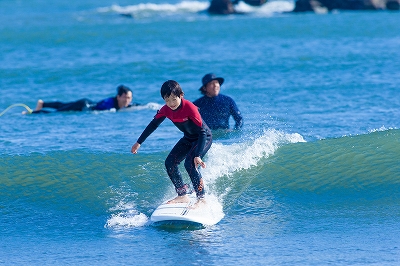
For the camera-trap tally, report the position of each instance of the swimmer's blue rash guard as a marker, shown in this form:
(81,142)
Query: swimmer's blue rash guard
(217,110)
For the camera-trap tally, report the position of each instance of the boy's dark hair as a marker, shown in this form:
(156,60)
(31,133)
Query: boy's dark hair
(122,89)
(171,87)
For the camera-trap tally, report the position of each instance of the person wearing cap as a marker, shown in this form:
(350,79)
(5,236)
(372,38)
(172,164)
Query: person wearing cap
(123,99)
(216,108)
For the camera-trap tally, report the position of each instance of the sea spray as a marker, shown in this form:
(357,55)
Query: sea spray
(126,216)
(226,159)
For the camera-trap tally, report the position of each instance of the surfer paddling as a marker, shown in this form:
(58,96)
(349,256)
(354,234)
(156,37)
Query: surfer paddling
(122,100)
(192,147)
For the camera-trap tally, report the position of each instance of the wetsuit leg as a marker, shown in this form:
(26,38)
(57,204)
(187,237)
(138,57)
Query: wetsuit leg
(174,158)
(195,175)
(78,105)
(54,105)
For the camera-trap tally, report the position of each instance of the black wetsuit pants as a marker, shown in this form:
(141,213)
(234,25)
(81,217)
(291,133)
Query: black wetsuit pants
(78,105)
(185,148)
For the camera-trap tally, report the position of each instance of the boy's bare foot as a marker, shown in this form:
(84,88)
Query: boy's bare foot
(39,105)
(200,202)
(179,199)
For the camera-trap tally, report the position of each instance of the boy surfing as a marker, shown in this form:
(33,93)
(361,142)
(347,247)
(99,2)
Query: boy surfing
(192,147)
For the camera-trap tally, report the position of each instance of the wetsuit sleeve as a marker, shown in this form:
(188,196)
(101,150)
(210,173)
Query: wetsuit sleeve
(106,104)
(237,116)
(153,125)
(199,123)
(201,142)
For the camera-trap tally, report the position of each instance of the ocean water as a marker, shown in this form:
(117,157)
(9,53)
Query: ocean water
(313,178)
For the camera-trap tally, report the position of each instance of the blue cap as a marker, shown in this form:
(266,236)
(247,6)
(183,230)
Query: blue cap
(210,77)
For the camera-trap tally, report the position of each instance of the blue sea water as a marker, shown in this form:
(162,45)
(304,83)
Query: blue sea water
(313,178)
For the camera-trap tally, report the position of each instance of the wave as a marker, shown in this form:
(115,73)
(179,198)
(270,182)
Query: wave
(271,7)
(222,161)
(276,165)
(352,163)
(145,10)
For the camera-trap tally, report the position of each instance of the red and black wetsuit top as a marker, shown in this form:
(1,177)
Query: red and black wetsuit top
(186,118)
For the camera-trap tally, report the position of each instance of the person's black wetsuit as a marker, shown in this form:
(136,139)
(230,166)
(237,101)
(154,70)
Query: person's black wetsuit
(196,141)
(82,105)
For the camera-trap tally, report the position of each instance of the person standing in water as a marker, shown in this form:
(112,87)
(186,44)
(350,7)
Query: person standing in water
(216,108)
(192,147)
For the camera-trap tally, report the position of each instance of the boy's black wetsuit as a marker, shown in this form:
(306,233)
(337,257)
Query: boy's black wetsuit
(196,142)
(82,105)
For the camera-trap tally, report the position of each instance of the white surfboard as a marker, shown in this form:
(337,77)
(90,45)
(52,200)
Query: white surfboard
(205,214)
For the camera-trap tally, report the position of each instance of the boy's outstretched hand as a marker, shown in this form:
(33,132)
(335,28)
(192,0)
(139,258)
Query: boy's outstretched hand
(135,147)
(198,162)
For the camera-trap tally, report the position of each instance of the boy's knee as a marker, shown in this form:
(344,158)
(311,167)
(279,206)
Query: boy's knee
(169,162)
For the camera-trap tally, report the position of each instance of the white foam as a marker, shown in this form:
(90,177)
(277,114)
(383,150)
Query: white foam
(268,8)
(149,9)
(127,216)
(382,128)
(224,160)
(215,207)
(127,219)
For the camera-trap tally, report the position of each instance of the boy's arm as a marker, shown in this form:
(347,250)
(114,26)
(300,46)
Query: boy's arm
(150,129)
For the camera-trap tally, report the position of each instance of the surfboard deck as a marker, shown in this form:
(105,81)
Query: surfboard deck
(184,213)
